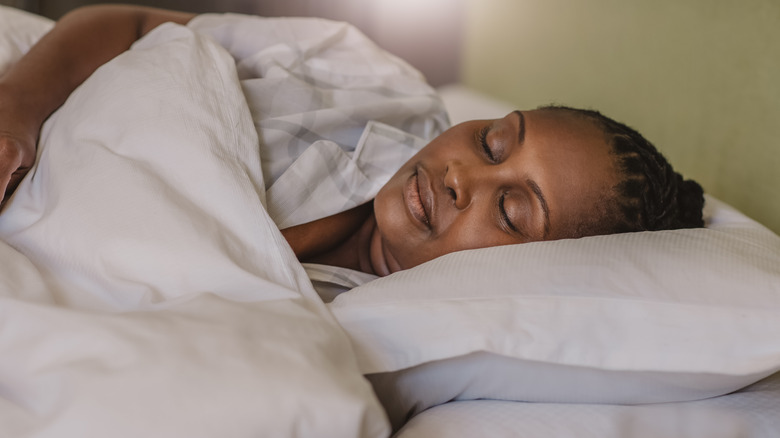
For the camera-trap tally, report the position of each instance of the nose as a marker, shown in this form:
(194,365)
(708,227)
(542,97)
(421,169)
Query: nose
(460,181)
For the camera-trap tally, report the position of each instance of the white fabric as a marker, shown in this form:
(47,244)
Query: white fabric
(750,413)
(148,293)
(465,104)
(634,318)
(325,180)
(336,115)
(331,281)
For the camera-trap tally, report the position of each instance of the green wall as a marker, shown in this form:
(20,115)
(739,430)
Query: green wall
(699,78)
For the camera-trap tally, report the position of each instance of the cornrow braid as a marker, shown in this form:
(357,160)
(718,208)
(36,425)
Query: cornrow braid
(651,195)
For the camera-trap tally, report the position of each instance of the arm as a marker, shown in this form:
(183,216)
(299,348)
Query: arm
(39,83)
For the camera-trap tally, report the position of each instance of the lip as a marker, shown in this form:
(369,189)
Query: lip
(426,194)
(418,198)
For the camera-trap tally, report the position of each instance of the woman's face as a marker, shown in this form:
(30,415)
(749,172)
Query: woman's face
(527,177)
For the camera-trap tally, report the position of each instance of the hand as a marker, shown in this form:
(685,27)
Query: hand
(17,156)
(19,129)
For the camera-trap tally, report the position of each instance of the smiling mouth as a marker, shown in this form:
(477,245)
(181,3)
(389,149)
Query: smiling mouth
(414,201)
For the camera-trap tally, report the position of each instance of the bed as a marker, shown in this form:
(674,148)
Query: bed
(143,297)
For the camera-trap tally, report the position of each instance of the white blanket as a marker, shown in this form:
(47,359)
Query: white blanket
(144,291)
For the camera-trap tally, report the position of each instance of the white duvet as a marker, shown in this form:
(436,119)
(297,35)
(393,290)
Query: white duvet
(144,291)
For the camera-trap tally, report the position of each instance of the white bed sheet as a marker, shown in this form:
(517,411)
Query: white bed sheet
(140,297)
(753,412)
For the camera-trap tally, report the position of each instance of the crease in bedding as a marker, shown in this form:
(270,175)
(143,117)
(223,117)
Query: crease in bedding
(144,289)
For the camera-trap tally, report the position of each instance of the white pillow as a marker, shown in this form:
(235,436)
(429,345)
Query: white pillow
(634,318)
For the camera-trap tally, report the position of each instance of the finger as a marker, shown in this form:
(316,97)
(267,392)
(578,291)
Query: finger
(5,180)
(7,169)
(13,183)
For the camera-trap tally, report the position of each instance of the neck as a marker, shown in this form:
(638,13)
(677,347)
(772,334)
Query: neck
(353,251)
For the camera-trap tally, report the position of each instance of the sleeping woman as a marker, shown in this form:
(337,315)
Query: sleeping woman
(543,174)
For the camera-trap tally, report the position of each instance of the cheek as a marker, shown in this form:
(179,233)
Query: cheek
(410,248)
(388,207)
(473,234)
(406,243)
(399,235)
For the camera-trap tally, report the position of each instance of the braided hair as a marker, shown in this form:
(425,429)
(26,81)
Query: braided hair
(651,195)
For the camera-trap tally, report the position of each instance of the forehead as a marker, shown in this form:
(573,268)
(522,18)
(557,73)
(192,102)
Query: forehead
(566,130)
(576,168)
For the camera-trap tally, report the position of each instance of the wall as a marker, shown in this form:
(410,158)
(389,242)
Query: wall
(700,78)
(426,33)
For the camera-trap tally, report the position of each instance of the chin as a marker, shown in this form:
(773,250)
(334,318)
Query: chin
(381,256)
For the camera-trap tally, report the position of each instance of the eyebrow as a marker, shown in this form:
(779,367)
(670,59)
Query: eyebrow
(531,183)
(540,196)
(521,134)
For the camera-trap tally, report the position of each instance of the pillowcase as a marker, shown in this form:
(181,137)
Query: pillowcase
(634,318)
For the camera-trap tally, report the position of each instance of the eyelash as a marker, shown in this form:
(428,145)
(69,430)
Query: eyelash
(504,215)
(485,146)
(482,137)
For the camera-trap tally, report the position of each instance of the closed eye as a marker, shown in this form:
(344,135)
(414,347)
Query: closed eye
(482,137)
(504,214)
